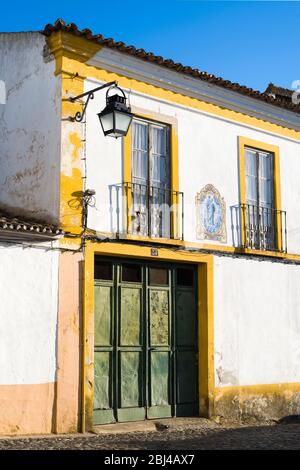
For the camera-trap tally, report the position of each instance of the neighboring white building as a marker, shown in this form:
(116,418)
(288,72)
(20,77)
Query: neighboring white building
(130,310)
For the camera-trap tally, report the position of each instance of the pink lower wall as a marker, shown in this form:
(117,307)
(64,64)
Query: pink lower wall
(68,388)
(27,409)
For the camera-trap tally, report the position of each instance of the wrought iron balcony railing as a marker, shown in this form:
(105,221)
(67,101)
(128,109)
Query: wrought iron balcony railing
(259,227)
(151,211)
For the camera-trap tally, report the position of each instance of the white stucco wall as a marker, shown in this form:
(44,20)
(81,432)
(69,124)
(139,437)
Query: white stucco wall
(208,153)
(29,128)
(257,322)
(104,166)
(29,296)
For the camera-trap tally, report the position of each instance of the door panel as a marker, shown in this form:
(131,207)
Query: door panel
(130,379)
(103,380)
(160,396)
(186,386)
(160,400)
(186,332)
(103,312)
(186,364)
(159,317)
(103,361)
(130,346)
(130,318)
(160,377)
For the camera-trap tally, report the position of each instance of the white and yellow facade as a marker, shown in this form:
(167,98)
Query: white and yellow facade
(248,299)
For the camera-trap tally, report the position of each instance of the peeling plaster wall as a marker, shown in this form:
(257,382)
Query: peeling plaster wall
(29,128)
(28,327)
(257,322)
(208,153)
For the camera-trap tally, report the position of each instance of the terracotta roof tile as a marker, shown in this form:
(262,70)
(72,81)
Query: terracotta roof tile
(278,100)
(279,91)
(20,225)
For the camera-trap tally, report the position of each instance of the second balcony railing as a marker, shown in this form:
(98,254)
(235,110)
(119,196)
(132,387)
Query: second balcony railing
(258,227)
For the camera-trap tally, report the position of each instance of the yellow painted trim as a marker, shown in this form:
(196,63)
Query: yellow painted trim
(73,66)
(262,389)
(66,47)
(175,201)
(242,186)
(127,156)
(205,246)
(277,187)
(265,147)
(206,337)
(205,317)
(62,44)
(292,257)
(87,377)
(71,178)
(79,50)
(174,165)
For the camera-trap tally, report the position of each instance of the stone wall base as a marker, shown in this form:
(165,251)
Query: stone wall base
(259,403)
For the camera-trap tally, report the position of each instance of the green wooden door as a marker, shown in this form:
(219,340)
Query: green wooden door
(160,390)
(104,351)
(130,363)
(145,352)
(186,347)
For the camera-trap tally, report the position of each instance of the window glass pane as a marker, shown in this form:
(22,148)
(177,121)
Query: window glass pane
(136,163)
(158,276)
(155,169)
(140,165)
(159,156)
(159,173)
(265,161)
(131,273)
(140,151)
(250,157)
(140,135)
(251,176)
(265,189)
(251,190)
(185,277)
(159,140)
(163,174)
(266,179)
(144,166)
(103,270)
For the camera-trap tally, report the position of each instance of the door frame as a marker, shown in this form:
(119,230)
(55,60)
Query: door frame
(204,264)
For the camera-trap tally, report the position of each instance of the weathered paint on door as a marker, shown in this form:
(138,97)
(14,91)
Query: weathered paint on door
(145,341)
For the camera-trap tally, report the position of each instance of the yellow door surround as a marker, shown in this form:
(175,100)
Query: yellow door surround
(205,318)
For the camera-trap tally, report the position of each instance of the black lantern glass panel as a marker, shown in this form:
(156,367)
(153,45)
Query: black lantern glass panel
(116,117)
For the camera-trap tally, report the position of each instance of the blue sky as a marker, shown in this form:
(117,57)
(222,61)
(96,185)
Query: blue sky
(251,43)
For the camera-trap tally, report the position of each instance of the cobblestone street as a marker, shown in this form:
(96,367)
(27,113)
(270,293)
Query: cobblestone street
(204,435)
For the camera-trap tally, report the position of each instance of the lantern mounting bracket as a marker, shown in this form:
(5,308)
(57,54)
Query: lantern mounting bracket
(90,96)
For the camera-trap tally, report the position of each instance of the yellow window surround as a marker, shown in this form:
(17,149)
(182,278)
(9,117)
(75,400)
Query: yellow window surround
(264,147)
(174,176)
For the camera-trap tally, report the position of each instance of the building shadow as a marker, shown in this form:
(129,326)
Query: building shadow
(281,435)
